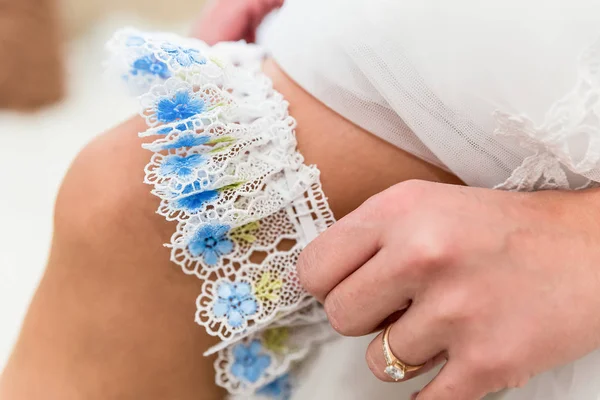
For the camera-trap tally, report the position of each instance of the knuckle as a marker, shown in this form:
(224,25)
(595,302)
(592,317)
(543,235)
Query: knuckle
(305,268)
(374,205)
(447,390)
(488,367)
(455,307)
(411,189)
(503,372)
(337,315)
(449,387)
(400,198)
(414,184)
(509,367)
(431,250)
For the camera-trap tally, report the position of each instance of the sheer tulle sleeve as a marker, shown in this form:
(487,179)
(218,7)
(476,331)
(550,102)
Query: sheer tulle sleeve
(475,87)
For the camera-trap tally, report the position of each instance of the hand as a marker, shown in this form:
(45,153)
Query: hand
(232,20)
(502,285)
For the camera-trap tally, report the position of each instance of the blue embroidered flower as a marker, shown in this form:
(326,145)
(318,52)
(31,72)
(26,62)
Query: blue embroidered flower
(180,127)
(150,65)
(185,56)
(165,130)
(182,167)
(249,363)
(188,140)
(194,202)
(236,302)
(280,388)
(181,106)
(194,197)
(210,242)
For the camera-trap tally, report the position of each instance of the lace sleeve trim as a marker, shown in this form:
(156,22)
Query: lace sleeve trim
(566,146)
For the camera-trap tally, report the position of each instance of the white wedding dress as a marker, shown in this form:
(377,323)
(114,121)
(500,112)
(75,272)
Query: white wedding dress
(503,93)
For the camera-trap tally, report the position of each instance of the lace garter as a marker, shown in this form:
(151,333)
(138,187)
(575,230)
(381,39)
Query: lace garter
(226,169)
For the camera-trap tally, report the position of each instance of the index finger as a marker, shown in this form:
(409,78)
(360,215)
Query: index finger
(338,252)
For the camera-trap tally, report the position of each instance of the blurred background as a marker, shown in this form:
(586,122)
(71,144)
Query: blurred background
(53,99)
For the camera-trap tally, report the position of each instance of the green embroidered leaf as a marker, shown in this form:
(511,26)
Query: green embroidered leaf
(252,226)
(230,187)
(275,339)
(247,237)
(219,104)
(223,139)
(220,149)
(218,62)
(245,232)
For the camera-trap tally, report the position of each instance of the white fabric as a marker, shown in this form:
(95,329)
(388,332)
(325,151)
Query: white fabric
(429,75)
(503,93)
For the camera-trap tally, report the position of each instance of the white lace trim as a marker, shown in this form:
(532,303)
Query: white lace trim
(226,168)
(283,345)
(567,144)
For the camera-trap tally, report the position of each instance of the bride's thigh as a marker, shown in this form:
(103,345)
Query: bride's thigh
(113,317)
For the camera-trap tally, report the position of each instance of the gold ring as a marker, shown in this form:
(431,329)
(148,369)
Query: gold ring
(395,368)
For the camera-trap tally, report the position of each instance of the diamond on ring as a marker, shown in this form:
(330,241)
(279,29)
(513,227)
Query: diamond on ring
(394,372)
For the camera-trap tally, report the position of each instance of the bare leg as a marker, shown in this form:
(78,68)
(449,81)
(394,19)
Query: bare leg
(113,318)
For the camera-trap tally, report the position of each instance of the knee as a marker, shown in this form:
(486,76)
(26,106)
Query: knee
(103,195)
